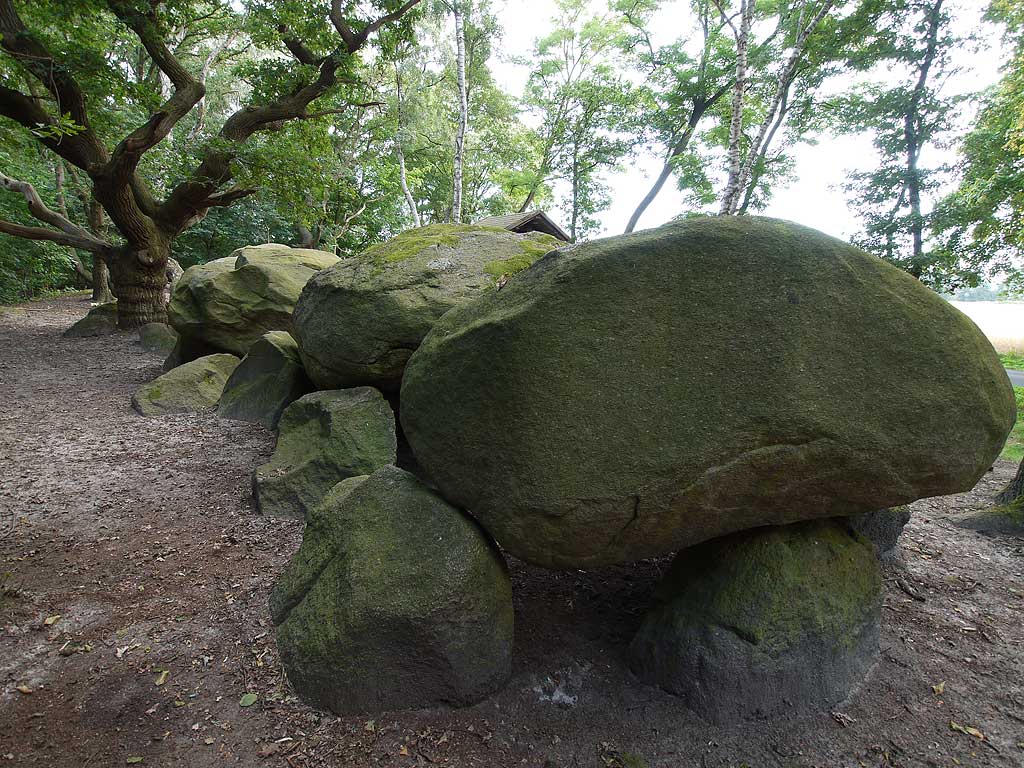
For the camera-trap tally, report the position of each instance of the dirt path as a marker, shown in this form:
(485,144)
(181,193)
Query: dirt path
(139,534)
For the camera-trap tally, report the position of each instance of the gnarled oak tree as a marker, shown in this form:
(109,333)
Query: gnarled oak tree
(43,93)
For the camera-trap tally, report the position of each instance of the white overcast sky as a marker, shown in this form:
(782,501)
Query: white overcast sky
(814,197)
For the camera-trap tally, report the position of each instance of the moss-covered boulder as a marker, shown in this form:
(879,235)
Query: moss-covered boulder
(190,388)
(395,600)
(158,338)
(275,254)
(771,620)
(229,303)
(101,320)
(632,396)
(358,322)
(324,438)
(267,380)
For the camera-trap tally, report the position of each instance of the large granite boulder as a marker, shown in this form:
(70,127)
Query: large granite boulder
(158,338)
(275,254)
(394,600)
(324,438)
(190,388)
(267,380)
(229,303)
(101,320)
(629,397)
(358,322)
(771,620)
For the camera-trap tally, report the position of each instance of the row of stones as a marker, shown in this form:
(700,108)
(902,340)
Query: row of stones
(581,414)
(398,599)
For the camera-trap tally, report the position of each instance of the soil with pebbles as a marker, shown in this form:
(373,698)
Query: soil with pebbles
(139,536)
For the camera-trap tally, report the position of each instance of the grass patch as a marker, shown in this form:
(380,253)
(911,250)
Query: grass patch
(1012,360)
(1013,512)
(1014,448)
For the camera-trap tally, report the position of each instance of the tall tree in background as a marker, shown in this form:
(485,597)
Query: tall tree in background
(463,126)
(683,92)
(563,59)
(906,119)
(46,94)
(796,26)
(496,144)
(980,226)
(602,128)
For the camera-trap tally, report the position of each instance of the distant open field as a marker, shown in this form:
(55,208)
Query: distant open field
(1002,322)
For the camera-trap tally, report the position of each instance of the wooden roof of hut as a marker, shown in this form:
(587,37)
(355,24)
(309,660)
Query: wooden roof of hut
(530,221)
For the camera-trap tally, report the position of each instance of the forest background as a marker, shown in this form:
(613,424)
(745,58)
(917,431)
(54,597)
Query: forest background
(894,123)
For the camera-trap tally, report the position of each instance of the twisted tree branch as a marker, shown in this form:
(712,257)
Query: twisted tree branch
(66,232)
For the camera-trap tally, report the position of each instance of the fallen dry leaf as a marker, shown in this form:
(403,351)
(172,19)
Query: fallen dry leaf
(162,677)
(966,729)
(51,620)
(939,688)
(24,689)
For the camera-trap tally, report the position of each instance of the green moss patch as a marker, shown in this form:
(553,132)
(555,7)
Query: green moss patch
(533,249)
(1012,513)
(774,586)
(414,241)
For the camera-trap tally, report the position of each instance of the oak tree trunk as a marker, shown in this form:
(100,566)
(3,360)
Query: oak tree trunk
(101,292)
(140,278)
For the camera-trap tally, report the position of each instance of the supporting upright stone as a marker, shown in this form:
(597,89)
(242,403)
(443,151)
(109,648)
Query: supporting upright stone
(100,321)
(766,621)
(324,438)
(159,338)
(395,600)
(882,528)
(266,382)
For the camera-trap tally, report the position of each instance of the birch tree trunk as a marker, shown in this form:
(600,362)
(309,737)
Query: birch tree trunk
(739,87)
(755,152)
(81,273)
(402,175)
(404,180)
(101,290)
(460,135)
